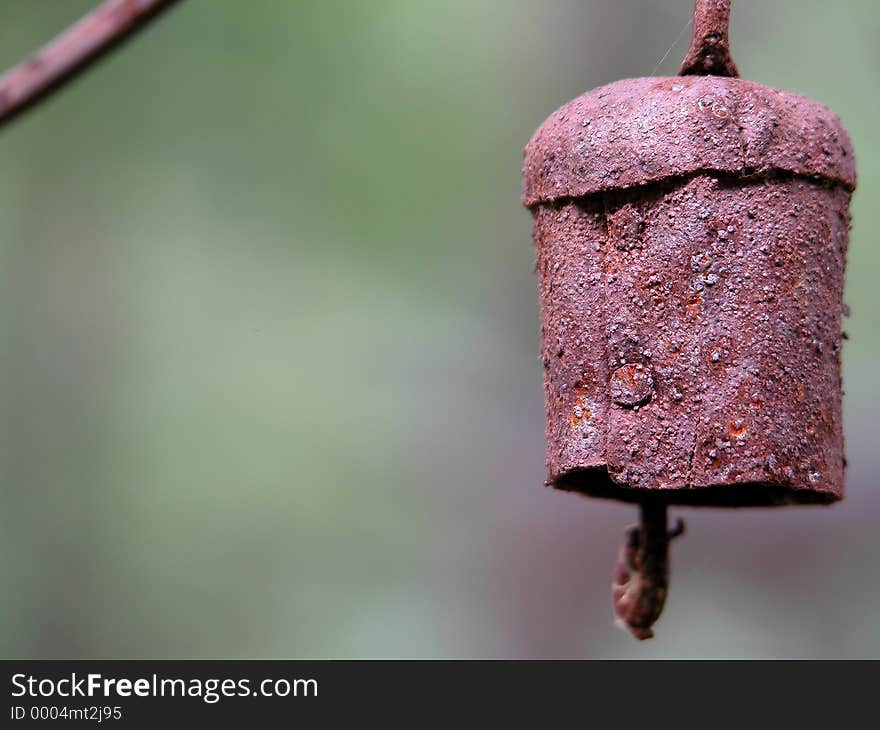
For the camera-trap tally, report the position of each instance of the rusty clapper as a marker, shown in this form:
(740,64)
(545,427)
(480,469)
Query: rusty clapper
(691,236)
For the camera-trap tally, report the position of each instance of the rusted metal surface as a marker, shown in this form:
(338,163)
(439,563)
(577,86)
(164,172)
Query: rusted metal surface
(691,237)
(638,131)
(691,264)
(641,575)
(703,351)
(709,53)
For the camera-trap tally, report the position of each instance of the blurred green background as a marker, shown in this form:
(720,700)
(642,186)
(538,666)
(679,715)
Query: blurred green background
(269,378)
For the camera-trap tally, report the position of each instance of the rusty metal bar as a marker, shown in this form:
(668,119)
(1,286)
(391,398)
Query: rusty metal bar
(63,58)
(709,54)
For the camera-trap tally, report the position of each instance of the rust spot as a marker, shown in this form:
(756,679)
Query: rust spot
(737,427)
(701,261)
(580,411)
(575,419)
(694,305)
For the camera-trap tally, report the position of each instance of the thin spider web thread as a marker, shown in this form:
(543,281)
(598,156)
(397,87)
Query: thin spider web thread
(669,50)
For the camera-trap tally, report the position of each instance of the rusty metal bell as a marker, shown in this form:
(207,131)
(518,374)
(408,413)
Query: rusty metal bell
(691,236)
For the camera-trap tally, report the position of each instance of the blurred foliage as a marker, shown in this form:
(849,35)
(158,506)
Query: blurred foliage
(270,384)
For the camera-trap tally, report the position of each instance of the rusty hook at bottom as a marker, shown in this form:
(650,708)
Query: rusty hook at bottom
(641,576)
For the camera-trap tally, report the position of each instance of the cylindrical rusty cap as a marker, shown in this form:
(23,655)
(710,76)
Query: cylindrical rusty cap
(638,131)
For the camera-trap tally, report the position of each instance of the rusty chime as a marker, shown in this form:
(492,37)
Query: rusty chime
(691,236)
